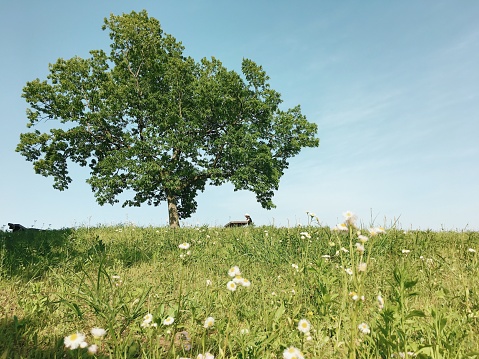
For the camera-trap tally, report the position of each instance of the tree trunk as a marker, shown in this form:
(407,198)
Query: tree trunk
(174,218)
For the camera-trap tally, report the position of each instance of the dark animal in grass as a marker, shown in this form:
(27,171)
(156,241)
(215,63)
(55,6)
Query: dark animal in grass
(15,227)
(248,222)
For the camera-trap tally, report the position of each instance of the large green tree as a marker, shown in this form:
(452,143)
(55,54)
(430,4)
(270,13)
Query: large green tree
(150,121)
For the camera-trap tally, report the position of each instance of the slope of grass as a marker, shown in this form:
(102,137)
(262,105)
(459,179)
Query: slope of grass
(56,283)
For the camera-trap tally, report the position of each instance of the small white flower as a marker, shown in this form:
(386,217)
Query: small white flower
(83,345)
(238,279)
(73,341)
(208,282)
(359,247)
(354,296)
(362,267)
(471,250)
(209,322)
(148,318)
(380,302)
(340,227)
(292,353)
(326,256)
(231,286)
(344,250)
(205,356)
(246,283)
(362,239)
(169,321)
(349,271)
(305,235)
(92,349)
(350,217)
(234,271)
(405,251)
(295,266)
(364,328)
(380,230)
(304,326)
(98,332)
(184,245)
(244,331)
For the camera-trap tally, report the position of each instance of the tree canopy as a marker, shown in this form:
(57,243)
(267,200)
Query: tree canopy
(148,119)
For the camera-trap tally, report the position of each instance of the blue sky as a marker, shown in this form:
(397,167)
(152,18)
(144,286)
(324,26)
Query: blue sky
(393,87)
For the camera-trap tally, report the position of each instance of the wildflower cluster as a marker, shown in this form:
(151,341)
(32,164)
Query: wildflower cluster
(237,280)
(148,321)
(356,265)
(78,340)
(292,353)
(185,246)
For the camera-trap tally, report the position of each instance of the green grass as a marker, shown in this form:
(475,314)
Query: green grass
(56,283)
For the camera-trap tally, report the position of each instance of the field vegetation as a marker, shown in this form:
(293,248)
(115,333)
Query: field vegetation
(352,291)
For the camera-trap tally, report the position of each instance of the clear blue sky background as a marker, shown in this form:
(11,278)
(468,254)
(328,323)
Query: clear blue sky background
(392,85)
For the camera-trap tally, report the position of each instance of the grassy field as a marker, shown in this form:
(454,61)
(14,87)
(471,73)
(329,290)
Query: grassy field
(252,292)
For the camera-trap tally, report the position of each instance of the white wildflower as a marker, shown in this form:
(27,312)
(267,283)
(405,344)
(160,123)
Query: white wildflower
(73,341)
(304,326)
(364,328)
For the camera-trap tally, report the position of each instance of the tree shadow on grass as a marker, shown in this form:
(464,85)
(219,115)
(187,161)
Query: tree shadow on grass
(18,339)
(30,254)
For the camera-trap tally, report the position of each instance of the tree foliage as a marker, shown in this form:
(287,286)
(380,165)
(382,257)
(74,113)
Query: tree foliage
(147,119)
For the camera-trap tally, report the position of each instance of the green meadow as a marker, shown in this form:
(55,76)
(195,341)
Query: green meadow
(249,292)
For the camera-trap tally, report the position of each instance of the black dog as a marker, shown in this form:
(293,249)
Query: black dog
(15,227)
